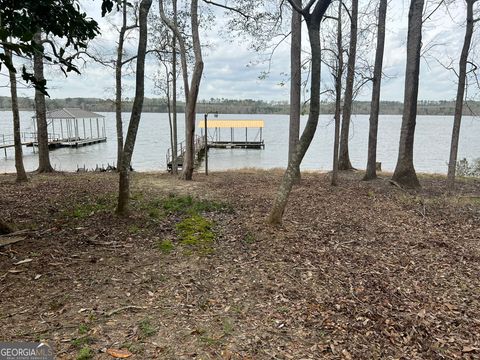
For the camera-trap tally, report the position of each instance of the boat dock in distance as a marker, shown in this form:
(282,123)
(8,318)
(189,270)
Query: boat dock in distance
(73,127)
(236,134)
(67,127)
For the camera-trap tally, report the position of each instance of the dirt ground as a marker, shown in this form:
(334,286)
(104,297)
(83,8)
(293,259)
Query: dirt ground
(358,271)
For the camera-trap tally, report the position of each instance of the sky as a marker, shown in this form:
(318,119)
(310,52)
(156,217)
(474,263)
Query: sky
(232,70)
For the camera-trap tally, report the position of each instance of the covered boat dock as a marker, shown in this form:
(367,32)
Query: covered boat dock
(73,127)
(236,134)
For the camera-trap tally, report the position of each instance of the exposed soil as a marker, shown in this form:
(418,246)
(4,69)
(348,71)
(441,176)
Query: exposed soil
(358,271)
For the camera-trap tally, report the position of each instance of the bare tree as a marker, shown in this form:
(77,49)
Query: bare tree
(192,89)
(44,165)
(404,173)
(124,169)
(21,174)
(371,172)
(174,93)
(462,76)
(312,19)
(337,75)
(119,63)
(344,157)
(295,81)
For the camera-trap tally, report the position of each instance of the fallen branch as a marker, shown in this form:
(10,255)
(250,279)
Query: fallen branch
(8,240)
(394,183)
(129,307)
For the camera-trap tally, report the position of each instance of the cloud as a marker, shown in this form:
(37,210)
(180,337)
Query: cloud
(232,70)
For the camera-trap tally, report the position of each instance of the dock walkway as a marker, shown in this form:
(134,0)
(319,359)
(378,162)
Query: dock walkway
(238,139)
(181,149)
(54,141)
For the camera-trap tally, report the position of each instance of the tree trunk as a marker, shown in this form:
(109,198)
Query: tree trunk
(344,157)
(174,94)
(371,172)
(338,95)
(44,165)
(124,181)
(313,25)
(452,164)
(21,174)
(295,81)
(189,158)
(169,108)
(118,85)
(405,173)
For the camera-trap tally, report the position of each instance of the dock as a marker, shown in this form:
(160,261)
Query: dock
(181,149)
(235,134)
(238,137)
(54,141)
(67,128)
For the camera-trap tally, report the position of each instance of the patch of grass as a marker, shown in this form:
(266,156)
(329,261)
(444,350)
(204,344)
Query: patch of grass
(133,347)
(136,196)
(249,238)
(83,329)
(165,246)
(227,325)
(83,211)
(208,340)
(174,204)
(146,328)
(196,232)
(82,341)
(202,206)
(134,229)
(85,353)
(186,204)
(472,200)
(154,213)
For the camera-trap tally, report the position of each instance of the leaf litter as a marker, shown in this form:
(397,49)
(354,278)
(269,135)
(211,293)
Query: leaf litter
(358,271)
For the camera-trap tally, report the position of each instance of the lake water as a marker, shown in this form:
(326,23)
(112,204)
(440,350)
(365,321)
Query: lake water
(432,142)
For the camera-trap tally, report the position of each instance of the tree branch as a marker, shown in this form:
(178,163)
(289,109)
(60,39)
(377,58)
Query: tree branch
(228,8)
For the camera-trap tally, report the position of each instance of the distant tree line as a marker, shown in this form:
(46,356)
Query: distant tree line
(248,106)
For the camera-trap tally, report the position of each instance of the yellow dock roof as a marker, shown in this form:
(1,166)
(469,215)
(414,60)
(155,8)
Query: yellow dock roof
(231,124)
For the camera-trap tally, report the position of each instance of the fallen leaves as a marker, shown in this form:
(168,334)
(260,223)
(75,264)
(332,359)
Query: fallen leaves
(469,349)
(348,276)
(119,354)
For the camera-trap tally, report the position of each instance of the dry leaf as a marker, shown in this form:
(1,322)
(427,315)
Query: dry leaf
(468,349)
(421,314)
(23,262)
(119,354)
(346,354)
(13,271)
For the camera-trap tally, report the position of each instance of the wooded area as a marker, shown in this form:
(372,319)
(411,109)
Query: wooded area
(246,106)
(245,264)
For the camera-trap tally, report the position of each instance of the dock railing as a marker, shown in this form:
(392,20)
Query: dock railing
(199,145)
(26,138)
